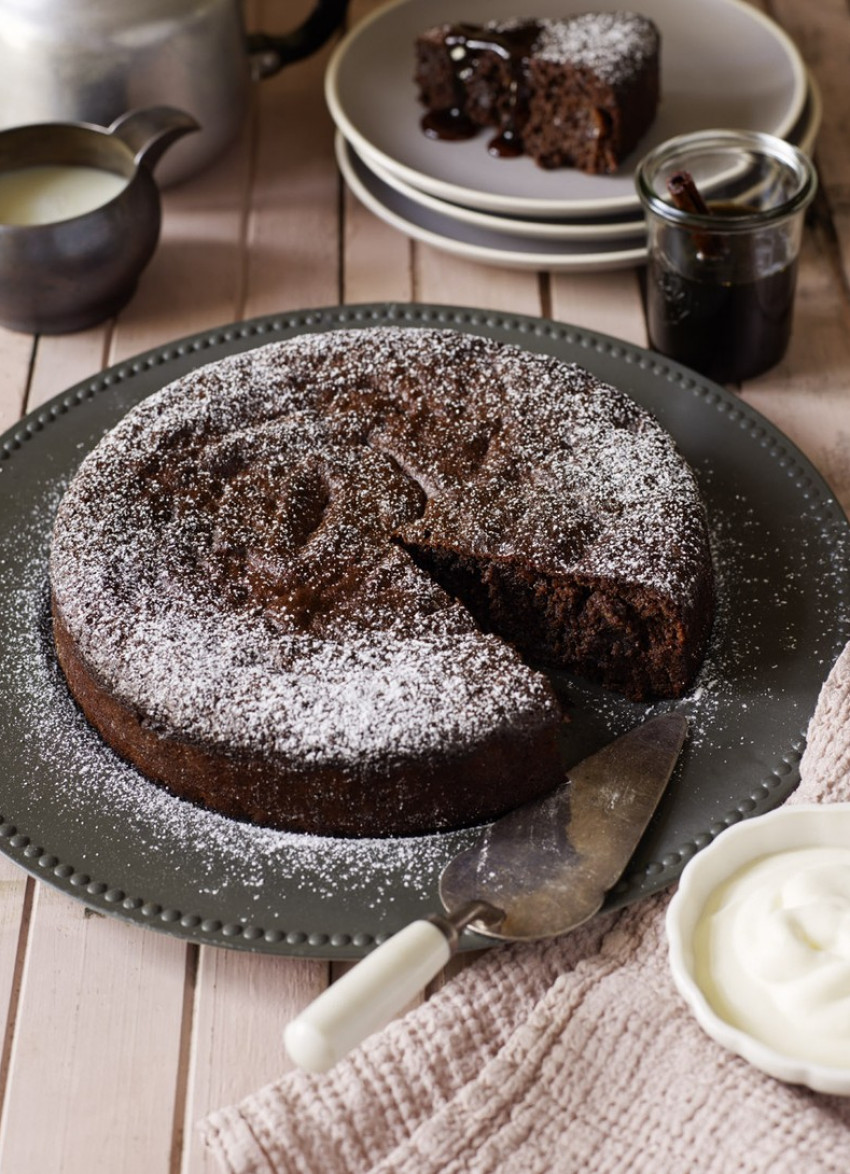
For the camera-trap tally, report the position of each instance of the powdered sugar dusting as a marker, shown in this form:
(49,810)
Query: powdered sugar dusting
(107,811)
(614,45)
(277,479)
(580,480)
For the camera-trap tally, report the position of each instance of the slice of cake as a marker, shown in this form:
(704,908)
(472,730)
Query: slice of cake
(578,92)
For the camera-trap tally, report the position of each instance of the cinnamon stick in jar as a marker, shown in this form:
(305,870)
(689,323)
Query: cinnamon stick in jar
(687,197)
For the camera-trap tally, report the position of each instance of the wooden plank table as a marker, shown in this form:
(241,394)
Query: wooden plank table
(116,1040)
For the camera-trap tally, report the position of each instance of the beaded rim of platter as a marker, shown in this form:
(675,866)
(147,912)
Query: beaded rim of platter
(37,850)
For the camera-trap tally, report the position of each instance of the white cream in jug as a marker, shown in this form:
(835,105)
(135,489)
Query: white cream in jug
(772,952)
(45,194)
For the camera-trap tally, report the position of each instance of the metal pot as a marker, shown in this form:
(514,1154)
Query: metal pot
(92,60)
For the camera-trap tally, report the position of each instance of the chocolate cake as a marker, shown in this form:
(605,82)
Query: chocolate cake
(312,585)
(578,92)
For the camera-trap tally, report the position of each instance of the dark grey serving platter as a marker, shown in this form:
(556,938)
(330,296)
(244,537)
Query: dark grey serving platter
(76,817)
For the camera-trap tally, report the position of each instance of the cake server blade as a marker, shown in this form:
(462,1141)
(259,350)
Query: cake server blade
(539,871)
(547,865)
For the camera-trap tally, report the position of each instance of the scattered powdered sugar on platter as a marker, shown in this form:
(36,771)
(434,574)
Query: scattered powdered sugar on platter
(218,851)
(98,795)
(222,851)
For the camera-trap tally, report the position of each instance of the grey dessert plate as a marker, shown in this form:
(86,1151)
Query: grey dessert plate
(723,63)
(76,817)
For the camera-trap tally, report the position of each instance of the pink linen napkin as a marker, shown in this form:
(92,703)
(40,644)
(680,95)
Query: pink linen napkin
(575,1055)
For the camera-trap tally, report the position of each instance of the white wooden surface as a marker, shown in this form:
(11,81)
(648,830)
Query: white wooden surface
(116,1040)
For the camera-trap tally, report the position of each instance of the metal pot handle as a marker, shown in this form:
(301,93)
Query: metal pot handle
(269,53)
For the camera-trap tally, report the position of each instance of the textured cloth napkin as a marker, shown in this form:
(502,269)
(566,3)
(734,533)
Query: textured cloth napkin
(575,1055)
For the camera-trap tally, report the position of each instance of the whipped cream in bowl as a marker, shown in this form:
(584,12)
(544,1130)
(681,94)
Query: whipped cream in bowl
(759,943)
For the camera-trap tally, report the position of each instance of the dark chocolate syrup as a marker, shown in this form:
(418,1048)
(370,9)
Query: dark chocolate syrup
(507,144)
(450,125)
(729,322)
(464,43)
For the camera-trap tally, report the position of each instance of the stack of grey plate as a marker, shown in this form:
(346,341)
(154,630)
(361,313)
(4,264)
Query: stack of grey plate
(723,64)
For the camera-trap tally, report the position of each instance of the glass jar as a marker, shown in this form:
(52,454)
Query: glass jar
(722,269)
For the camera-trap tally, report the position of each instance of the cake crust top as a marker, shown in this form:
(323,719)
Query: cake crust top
(614,45)
(277,482)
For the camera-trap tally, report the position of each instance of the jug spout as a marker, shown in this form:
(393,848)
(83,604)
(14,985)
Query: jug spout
(150,132)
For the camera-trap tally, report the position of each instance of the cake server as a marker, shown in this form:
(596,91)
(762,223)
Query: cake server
(539,871)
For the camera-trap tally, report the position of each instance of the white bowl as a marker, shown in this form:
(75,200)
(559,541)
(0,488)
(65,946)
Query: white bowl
(802,826)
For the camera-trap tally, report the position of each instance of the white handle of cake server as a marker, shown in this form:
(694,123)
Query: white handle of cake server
(368,996)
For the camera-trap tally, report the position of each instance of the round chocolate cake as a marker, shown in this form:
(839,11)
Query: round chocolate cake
(313,585)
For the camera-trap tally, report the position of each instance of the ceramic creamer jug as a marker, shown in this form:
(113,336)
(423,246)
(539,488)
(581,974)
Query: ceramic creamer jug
(92,60)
